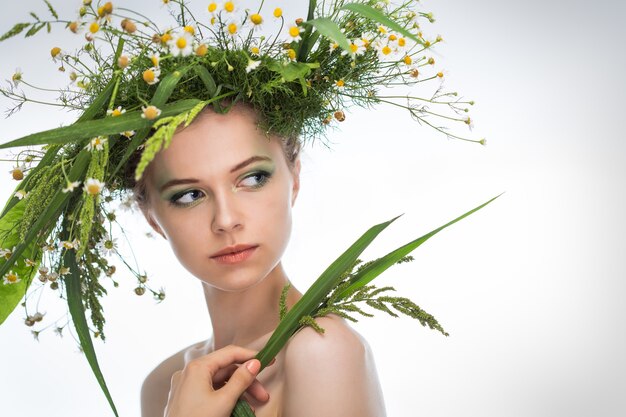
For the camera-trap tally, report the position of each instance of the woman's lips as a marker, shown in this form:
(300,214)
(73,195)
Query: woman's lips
(235,254)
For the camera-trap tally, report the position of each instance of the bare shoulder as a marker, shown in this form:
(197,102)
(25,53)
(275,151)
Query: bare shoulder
(156,386)
(331,374)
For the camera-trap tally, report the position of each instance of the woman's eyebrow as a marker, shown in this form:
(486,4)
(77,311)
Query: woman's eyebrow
(249,161)
(176,182)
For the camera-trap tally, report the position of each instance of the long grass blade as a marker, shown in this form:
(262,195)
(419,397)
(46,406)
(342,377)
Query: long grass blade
(331,30)
(376,16)
(371,271)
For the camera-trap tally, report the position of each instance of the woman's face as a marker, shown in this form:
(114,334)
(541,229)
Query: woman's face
(222,194)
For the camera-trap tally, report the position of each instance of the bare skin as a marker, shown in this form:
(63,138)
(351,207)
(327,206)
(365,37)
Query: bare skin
(237,196)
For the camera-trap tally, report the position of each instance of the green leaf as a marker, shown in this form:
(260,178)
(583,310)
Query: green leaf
(15,30)
(99,127)
(33,30)
(292,71)
(12,294)
(374,269)
(77,311)
(52,11)
(331,30)
(207,79)
(373,14)
(47,220)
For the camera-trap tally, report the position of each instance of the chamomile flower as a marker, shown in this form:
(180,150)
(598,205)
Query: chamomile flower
(71,186)
(128,133)
(56,53)
(29,262)
(190,30)
(156,59)
(294,33)
(201,49)
(356,48)
(181,44)
(94,27)
(255,50)
(20,194)
(17,77)
(340,83)
(151,75)
(256,19)
(291,53)
(212,7)
(11,278)
(107,246)
(252,64)
(123,61)
(229,6)
(232,29)
(116,112)
(333,46)
(67,245)
(278,12)
(150,112)
(6,253)
(18,172)
(96,143)
(93,186)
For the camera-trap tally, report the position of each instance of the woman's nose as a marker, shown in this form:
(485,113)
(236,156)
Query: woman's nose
(226,217)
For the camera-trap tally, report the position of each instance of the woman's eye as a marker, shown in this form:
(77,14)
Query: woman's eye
(188,197)
(255,180)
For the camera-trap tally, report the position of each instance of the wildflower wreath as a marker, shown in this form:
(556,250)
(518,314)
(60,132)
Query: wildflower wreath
(135,84)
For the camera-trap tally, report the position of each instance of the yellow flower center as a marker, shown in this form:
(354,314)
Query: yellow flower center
(155,60)
(55,51)
(181,43)
(201,50)
(151,112)
(256,19)
(212,7)
(392,37)
(382,30)
(17,174)
(408,60)
(431,61)
(165,37)
(401,42)
(440,74)
(149,76)
(123,61)
(294,31)
(291,53)
(12,277)
(232,28)
(386,50)
(255,50)
(353,48)
(92,189)
(73,27)
(114,113)
(94,27)
(340,83)
(229,6)
(278,12)
(189,29)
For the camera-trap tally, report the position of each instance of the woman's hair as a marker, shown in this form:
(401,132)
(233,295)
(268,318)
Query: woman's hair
(291,149)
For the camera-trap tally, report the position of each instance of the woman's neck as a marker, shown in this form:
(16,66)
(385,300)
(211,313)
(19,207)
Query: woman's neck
(240,318)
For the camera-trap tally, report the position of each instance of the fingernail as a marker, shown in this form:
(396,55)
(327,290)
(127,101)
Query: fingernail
(253,366)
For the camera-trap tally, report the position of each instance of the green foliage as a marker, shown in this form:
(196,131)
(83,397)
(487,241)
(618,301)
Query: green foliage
(51,9)
(15,30)
(46,184)
(11,294)
(310,322)
(282,304)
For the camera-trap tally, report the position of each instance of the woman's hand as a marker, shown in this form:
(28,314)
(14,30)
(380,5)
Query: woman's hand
(201,389)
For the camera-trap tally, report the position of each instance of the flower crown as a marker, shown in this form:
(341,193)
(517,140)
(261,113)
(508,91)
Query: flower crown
(56,226)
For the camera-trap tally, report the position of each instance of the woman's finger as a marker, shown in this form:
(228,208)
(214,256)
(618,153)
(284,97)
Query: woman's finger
(241,379)
(257,391)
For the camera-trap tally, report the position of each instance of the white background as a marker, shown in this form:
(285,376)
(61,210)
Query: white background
(531,288)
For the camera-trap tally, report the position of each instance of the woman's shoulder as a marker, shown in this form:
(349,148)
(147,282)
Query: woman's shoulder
(156,386)
(331,373)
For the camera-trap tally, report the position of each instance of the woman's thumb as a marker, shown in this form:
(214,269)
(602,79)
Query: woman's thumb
(242,378)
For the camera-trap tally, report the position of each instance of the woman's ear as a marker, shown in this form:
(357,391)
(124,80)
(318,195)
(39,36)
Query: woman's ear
(295,171)
(152,222)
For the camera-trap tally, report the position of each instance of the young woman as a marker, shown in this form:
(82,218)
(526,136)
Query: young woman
(222,195)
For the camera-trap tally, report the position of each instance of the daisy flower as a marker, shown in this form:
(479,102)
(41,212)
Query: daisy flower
(256,19)
(20,194)
(107,246)
(17,77)
(11,278)
(278,12)
(123,61)
(18,172)
(294,32)
(151,75)
(356,48)
(128,133)
(156,59)
(70,186)
(229,6)
(67,244)
(116,112)
(96,143)
(150,112)
(212,7)
(255,50)
(93,186)
(29,262)
(252,65)
(181,44)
